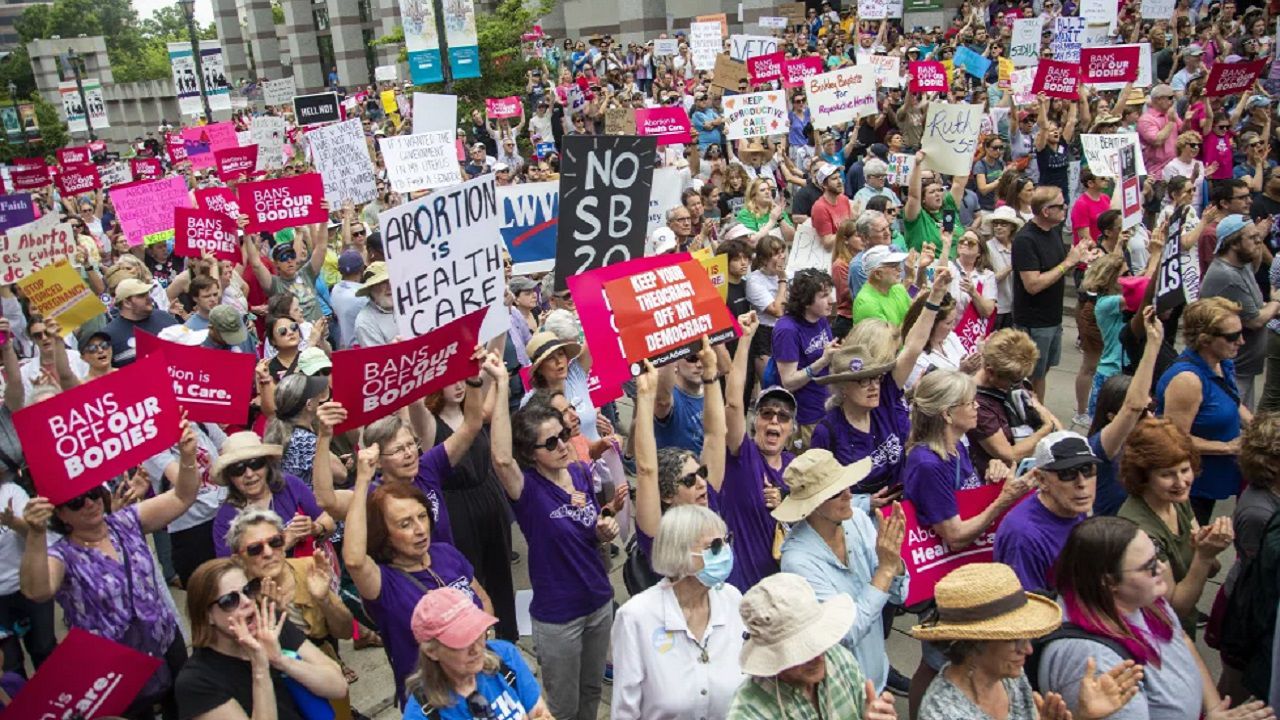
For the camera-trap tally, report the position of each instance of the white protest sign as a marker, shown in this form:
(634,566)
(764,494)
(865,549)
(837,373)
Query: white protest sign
(1102,152)
(1158,9)
(807,251)
(1144,71)
(704,44)
(745,47)
(887,69)
(444,256)
(1020,83)
(385,73)
(1096,36)
(38,244)
(421,161)
(279,92)
(667,46)
(268,133)
(873,9)
(432,113)
(1097,12)
(115,174)
(840,96)
(950,136)
(342,157)
(664,196)
(894,8)
(773,23)
(1024,46)
(900,165)
(1067,34)
(755,114)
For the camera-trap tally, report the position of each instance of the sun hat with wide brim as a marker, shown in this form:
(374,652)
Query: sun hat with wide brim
(985,601)
(813,478)
(754,149)
(849,363)
(787,626)
(1004,214)
(542,345)
(375,274)
(244,445)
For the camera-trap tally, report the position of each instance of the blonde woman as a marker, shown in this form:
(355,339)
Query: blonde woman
(763,212)
(1185,164)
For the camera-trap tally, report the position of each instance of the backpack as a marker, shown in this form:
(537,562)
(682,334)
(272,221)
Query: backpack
(1252,609)
(431,712)
(637,573)
(1067,631)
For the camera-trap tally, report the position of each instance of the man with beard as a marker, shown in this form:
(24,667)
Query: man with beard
(375,324)
(1231,276)
(137,310)
(833,207)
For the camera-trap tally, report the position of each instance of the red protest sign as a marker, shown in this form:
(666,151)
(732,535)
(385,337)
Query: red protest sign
(665,310)
(236,163)
(78,179)
(1109,64)
(218,199)
(507,107)
(376,381)
(211,385)
(286,202)
(27,163)
(30,178)
(669,124)
(78,155)
(91,433)
(795,71)
(1057,79)
(1230,78)
(197,232)
(146,169)
(176,147)
(86,676)
(765,68)
(927,76)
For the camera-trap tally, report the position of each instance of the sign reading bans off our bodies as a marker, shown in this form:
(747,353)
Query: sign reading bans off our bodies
(444,256)
(665,310)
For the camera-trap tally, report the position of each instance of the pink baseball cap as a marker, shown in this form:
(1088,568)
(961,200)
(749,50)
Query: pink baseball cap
(449,615)
(1132,289)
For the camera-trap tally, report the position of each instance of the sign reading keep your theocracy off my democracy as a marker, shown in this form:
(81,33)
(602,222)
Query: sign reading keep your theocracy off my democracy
(666,309)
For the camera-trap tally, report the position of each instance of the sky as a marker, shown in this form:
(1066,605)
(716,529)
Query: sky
(204,9)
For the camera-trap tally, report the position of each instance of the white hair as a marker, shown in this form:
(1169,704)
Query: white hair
(681,528)
(248,518)
(875,166)
(563,323)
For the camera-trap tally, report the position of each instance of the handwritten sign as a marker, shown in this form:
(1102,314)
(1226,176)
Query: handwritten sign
(1230,78)
(1098,12)
(279,92)
(927,76)
(951,136)
(755,114)
(145,210)
(665,311)
(1158,9)
(58,292)
(840,96)
(1109,64)
(1101,152)
(666,47)
(873,9)
(900,165)
(1024,45)
(1057,79)
(197,232)
(284,202)
(745,47)
(887,69)
(421,162)
(765,68)
(772,23)
(37,244)
(704,44)
(341,156)
(211,385)
(795,72)
(268,133)
(1068,33)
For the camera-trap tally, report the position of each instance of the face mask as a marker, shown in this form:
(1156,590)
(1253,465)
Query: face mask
(716,567)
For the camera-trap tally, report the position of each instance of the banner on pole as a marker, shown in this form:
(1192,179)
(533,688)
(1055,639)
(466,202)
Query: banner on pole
(421,41)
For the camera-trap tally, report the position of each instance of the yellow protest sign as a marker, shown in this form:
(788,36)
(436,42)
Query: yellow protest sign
(717,267)
(1005,66)
(57,292)
(389,104)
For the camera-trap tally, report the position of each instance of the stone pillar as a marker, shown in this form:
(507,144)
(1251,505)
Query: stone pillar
(227,21)
(304,52)
(261,31)
(348,43)
(387,21)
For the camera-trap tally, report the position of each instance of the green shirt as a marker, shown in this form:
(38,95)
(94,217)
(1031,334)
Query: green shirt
(842,694)
(871,303)
(1174,548)
(927,227)
(755,222)
(303,287)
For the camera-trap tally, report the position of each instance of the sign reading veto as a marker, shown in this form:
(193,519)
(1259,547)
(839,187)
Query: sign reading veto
(665,311)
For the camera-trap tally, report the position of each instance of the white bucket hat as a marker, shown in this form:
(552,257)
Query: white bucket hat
(787,626)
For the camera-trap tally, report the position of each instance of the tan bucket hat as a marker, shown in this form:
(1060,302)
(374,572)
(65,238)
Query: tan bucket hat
(787,626)
(985,601)
(814,478)
(375,274)
(849,363)
(244,445)
(543,344)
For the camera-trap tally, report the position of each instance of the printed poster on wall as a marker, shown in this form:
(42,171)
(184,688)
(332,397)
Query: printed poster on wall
(187,86)
(74,110)
(755,114)
(418,17)
(460,36)
(530,219)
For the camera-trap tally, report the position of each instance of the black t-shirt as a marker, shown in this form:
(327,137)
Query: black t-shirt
(738,305)
(1037,249)
(123,350)
(1262,208)
(805,197)
(209,679)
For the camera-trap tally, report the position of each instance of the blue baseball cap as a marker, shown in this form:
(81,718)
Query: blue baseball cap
(1228,226)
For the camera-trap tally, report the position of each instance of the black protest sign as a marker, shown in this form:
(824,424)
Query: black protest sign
(316,109)
(605,184)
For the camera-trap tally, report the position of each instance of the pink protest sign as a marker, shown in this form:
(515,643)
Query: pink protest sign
(202,142)
(1057,79)
(87,677)
(146,209)
(197,232)
(928,76)
(235,164)
(146,169)
(765,68)
(285,202)
(669,124)
(78,155)
(211,385)
(30,178)
(1230,78)
(1109,64)
(499,108)
(795,71)
(78,179)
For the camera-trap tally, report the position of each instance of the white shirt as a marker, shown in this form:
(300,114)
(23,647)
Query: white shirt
(1001,258)
(11,543)
(209,496)
(658,673)
(945,357)
(346,305)
(985,278)
(30,370)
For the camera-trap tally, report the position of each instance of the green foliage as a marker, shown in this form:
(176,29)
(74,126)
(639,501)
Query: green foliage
(53,134)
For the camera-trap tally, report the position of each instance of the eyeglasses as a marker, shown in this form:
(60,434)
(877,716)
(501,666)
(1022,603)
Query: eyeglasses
(1231,336)
(40,334)
(235,470)
(1221,127)
(891,211)
(772,414)
(230,601)
(410,447)
(691,480)
(1070,475)
(553,442)
(255,549)
(291,327)
(997,147)
(75,504)
(1151,567)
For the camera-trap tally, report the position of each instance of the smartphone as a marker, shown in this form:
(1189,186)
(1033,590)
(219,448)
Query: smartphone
(948,220)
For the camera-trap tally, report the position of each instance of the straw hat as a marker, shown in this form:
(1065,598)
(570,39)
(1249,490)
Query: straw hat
(1005,214)
(815,477)
(848,364)
(754,149)
(985,601)
(375,274)
(787,626)
(244,445)
(543,344)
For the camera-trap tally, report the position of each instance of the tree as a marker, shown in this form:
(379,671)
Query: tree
(53,134)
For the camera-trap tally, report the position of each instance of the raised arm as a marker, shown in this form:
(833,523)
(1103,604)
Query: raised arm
(645,446)
(364,571)
(334,502)
(504,462)
(735,412)
(911,210)
(459,442)
(1136,398)
(713,414)
(156,513)
(254,259)
(919,333)
(14,392)
(40,576)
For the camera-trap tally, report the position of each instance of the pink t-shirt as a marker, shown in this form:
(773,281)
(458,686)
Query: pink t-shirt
(1217,148)
(1084,214)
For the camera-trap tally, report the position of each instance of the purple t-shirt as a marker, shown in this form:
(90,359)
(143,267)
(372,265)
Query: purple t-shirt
(802,342)
(393,608)
(1029,540)
(931,482)
(741,501)
(569,580)
(294,497)
(884,444)
(433,468)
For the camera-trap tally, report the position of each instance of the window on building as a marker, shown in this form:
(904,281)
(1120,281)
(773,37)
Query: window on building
(325,44)
(366,11)
(320,15)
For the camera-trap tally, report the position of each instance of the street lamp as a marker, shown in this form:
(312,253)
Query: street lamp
(189,10)
(74,59)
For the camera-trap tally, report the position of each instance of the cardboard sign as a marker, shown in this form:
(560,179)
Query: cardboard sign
(1109,64)
(284,202)
(197,232)
(30,178)
(86,676)
(927,76)
(507,107)
(665,311)
(91,433)
(794,72)
(218,199)
(1057,79)
(951,136)
(794,12)
(316,109)
(58,292)
(422,161)
(766,68)
(1230,78)
(78,179)
(146,168)
(444,256)
(744,47)
(530,219)
(719,19)
(605,184)
(236,164)
(78,155)
(1101,151)
(729,73)
(840,96)
(1024,46)
(15,210)
(705,43)
(668,124)
(145,210)
(374,382)
(621,120)
(279,92)
(1068,35)
(211,385)
(756,115)
(37,244)
(341,155)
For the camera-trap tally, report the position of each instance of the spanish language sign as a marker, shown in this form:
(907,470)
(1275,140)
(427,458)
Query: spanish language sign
(40,243)
(665,311)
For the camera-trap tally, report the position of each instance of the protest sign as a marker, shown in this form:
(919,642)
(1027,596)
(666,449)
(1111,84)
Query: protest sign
(668,124)
(444,257)
(887,69)
(24,249)
(666,47)
(665,311)
(900,165)
(840,96)
(78,155)
(390,105)
(621,120)
(15,210)
(279,92)
(77,179)
(374,382)
(197,232)
(316,109)
(91,433)
(1130,191)
(284,202)
(745,47)
(1057,79)
(755,114)
(873,9)
(605,184)
(203,141)
(704,44)
(117,173)
(176,148)
(507,107)
(717,267)
(145,210)
(1067,35)
(218,199)
(1095,36)
(950,136)
(86,676)
(973,63)
(1020,82)
(664,196)
(30,162)
(530,215)
(1097,12)
(146,168)
(1100,152)
(720,19)
(794,12)
(729,73)
(236,164)
(807,251)
(422,161)
(772,23)
(794,72)
(927,76)
(58,292)
(1228,78)
(928,559)
(211,385)
(1109,64)
(268,133)
(1158,9)
(1024,46)
(385,73)
(765,68)
(30,178)
(1144,69)
(341,156)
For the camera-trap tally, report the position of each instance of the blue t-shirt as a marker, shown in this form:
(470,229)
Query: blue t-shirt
(506,702)
(884,444)
(683,427)
(1110,317)
(931,482)
(799,341)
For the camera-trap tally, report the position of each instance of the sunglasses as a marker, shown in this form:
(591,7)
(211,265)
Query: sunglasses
(1193,144)
(1151,567)
(1231,336)
(554,441)
(230,601)
(720,543)
(76,504)
(97,347)
(282,331)
(286,256)
(1070,475)
(997,147)
(691,480)
(772,414)
(255,549)
(237,469)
